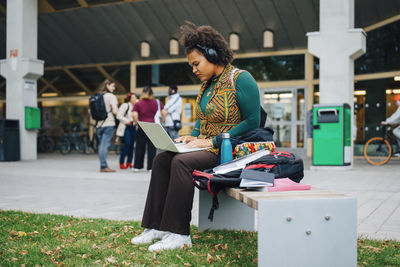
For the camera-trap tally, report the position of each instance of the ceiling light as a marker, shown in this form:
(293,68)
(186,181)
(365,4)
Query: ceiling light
(268,39)
(234,41)
(360,92)
(49,94)
(173,47)
(145,49)
(397,78)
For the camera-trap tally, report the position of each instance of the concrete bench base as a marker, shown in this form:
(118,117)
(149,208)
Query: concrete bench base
(296,228)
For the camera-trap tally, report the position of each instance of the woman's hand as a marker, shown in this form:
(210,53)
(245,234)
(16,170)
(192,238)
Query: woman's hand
(185,139)
(200,143)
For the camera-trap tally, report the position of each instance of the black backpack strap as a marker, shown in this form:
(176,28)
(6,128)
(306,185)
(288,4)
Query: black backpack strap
(215,206)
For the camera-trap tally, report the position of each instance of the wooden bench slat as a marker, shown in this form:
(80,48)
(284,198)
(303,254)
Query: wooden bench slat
(251,198)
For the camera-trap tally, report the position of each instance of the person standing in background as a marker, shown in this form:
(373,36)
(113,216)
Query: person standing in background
(105,128)
(144,110)
(172,111)
(127,130)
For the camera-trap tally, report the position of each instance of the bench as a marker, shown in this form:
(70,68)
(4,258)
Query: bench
(295,228)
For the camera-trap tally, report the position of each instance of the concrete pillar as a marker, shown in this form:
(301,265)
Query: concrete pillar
(337,45)
(21,69)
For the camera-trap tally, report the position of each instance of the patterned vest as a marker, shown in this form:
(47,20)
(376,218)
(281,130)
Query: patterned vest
(222,110)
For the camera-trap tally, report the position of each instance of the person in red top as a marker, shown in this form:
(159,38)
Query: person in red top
(145,110)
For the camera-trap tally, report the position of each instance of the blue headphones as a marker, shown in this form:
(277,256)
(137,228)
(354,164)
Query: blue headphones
(210,53)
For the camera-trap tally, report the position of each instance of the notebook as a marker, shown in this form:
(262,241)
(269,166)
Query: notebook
(252,178)
(285,184)
(161,140)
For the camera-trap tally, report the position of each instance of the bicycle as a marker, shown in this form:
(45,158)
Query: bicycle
(72,140)
(378,150)
(45,143)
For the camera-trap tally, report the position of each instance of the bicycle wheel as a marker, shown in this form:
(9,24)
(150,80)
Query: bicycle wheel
(377,151)
(50,145)
(65,146)
(85,148)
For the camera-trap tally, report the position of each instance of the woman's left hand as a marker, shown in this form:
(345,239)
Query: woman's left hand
(200,143)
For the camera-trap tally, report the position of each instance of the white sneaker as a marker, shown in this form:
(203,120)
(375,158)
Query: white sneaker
(172,241)
(148,236)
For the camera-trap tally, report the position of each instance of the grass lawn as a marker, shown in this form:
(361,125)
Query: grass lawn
(28,239)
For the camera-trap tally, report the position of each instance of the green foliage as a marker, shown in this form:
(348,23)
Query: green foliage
(43,239)
(378,253)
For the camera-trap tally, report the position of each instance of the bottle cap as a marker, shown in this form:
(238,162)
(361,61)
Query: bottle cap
(226,135)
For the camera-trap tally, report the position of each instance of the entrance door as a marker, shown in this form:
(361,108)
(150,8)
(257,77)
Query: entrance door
(286,115)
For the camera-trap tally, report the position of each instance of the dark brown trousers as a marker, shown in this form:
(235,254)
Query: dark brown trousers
(170,196)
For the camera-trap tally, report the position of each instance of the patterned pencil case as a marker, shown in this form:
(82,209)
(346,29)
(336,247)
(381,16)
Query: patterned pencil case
(251,147)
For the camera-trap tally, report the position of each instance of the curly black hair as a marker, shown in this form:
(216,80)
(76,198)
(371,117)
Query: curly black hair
(193,35)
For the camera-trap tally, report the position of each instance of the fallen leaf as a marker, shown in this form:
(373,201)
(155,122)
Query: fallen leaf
(54,261)
(209,258)
(187,264)
(14,259)
(218,258)
(98,261)
(13,233)
(118,251)
(196,236)
(255,260)
(111,259)
(217,246)
(24,252)
(58,250)
(179,257)
(84,256)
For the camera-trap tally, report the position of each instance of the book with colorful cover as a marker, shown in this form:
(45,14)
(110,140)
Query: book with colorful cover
(285,184)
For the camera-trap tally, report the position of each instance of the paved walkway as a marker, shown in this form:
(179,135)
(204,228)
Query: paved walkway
(72,185)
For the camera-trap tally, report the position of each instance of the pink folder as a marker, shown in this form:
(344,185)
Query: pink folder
(285,184)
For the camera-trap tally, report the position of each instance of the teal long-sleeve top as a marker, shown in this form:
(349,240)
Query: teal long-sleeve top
(248,99)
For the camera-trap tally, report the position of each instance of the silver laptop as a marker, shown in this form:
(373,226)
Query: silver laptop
(161,140)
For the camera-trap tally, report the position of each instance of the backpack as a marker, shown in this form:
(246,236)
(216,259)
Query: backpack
(282,164)
(97,107)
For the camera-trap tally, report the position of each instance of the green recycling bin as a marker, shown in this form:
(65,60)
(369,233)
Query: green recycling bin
(331,135)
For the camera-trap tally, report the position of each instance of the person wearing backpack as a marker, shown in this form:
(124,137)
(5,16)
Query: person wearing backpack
(126,130)
(171,114)
(105,128)
(228,101)
(145,110)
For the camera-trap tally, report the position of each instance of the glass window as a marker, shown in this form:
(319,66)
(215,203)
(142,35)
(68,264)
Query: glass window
(278,105)
(165,74)
(282,135)
(277,68)
(316,68)
(383,50)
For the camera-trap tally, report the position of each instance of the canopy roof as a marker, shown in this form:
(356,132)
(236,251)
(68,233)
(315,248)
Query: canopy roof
(72,32)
